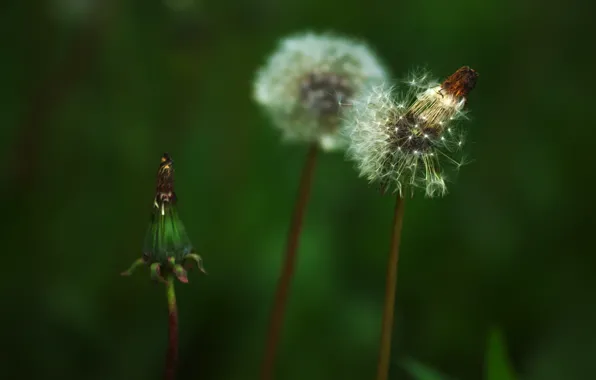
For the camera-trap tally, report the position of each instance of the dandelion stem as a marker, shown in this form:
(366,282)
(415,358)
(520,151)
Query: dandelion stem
(390,286)
(172,353)
(287,271)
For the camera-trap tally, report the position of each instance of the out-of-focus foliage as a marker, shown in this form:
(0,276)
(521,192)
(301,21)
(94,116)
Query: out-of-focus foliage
(497,362)
(93,92)
(420,371)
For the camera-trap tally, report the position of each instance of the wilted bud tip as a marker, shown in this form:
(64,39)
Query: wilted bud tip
(460,83)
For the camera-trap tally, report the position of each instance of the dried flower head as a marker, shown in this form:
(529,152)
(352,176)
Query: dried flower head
(406,141)
(304,81)
(167,247)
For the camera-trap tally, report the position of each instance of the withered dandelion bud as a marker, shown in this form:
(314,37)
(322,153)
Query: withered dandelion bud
(167,248)
(168,252)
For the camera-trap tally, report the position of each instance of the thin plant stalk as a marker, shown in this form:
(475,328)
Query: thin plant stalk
(287,271)
(172,353)
(390,288)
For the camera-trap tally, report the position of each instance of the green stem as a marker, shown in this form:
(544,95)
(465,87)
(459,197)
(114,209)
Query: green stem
(287,271)
(172,353)
(390,287)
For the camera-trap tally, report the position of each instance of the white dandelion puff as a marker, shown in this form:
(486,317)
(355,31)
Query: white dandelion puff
(302,85)
(409,147)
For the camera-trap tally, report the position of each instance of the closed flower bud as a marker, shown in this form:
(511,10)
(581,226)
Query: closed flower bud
(167,247)
(303,83)
(407,141)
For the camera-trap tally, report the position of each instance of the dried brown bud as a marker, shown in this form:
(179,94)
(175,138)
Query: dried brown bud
(460,83)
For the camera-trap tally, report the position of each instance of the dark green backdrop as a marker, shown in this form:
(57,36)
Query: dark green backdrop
(93,92)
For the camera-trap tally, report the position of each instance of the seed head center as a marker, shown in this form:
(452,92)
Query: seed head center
(411,134)
(321,93)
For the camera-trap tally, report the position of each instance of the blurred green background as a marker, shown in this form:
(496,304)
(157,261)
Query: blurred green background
(93,92)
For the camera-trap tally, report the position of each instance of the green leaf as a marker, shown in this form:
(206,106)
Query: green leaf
(421,371)
(497,363)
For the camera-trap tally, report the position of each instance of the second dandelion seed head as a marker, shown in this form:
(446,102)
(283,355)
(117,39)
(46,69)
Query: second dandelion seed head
(303,83)
(404,141)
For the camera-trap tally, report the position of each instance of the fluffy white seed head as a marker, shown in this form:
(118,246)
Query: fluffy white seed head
(303,83)
(407,140)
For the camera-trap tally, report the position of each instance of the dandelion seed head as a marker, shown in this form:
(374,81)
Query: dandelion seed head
(304,84)
(411,147)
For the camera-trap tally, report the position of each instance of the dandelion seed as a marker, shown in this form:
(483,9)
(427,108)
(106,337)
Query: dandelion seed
(308,77)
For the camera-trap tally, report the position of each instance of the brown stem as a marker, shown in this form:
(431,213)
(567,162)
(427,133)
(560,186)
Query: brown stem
(283,285)
(172,353)
(390,286)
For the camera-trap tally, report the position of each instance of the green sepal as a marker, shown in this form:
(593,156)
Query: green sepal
(137,263)
(197,259)
(155,269)
(180,273)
